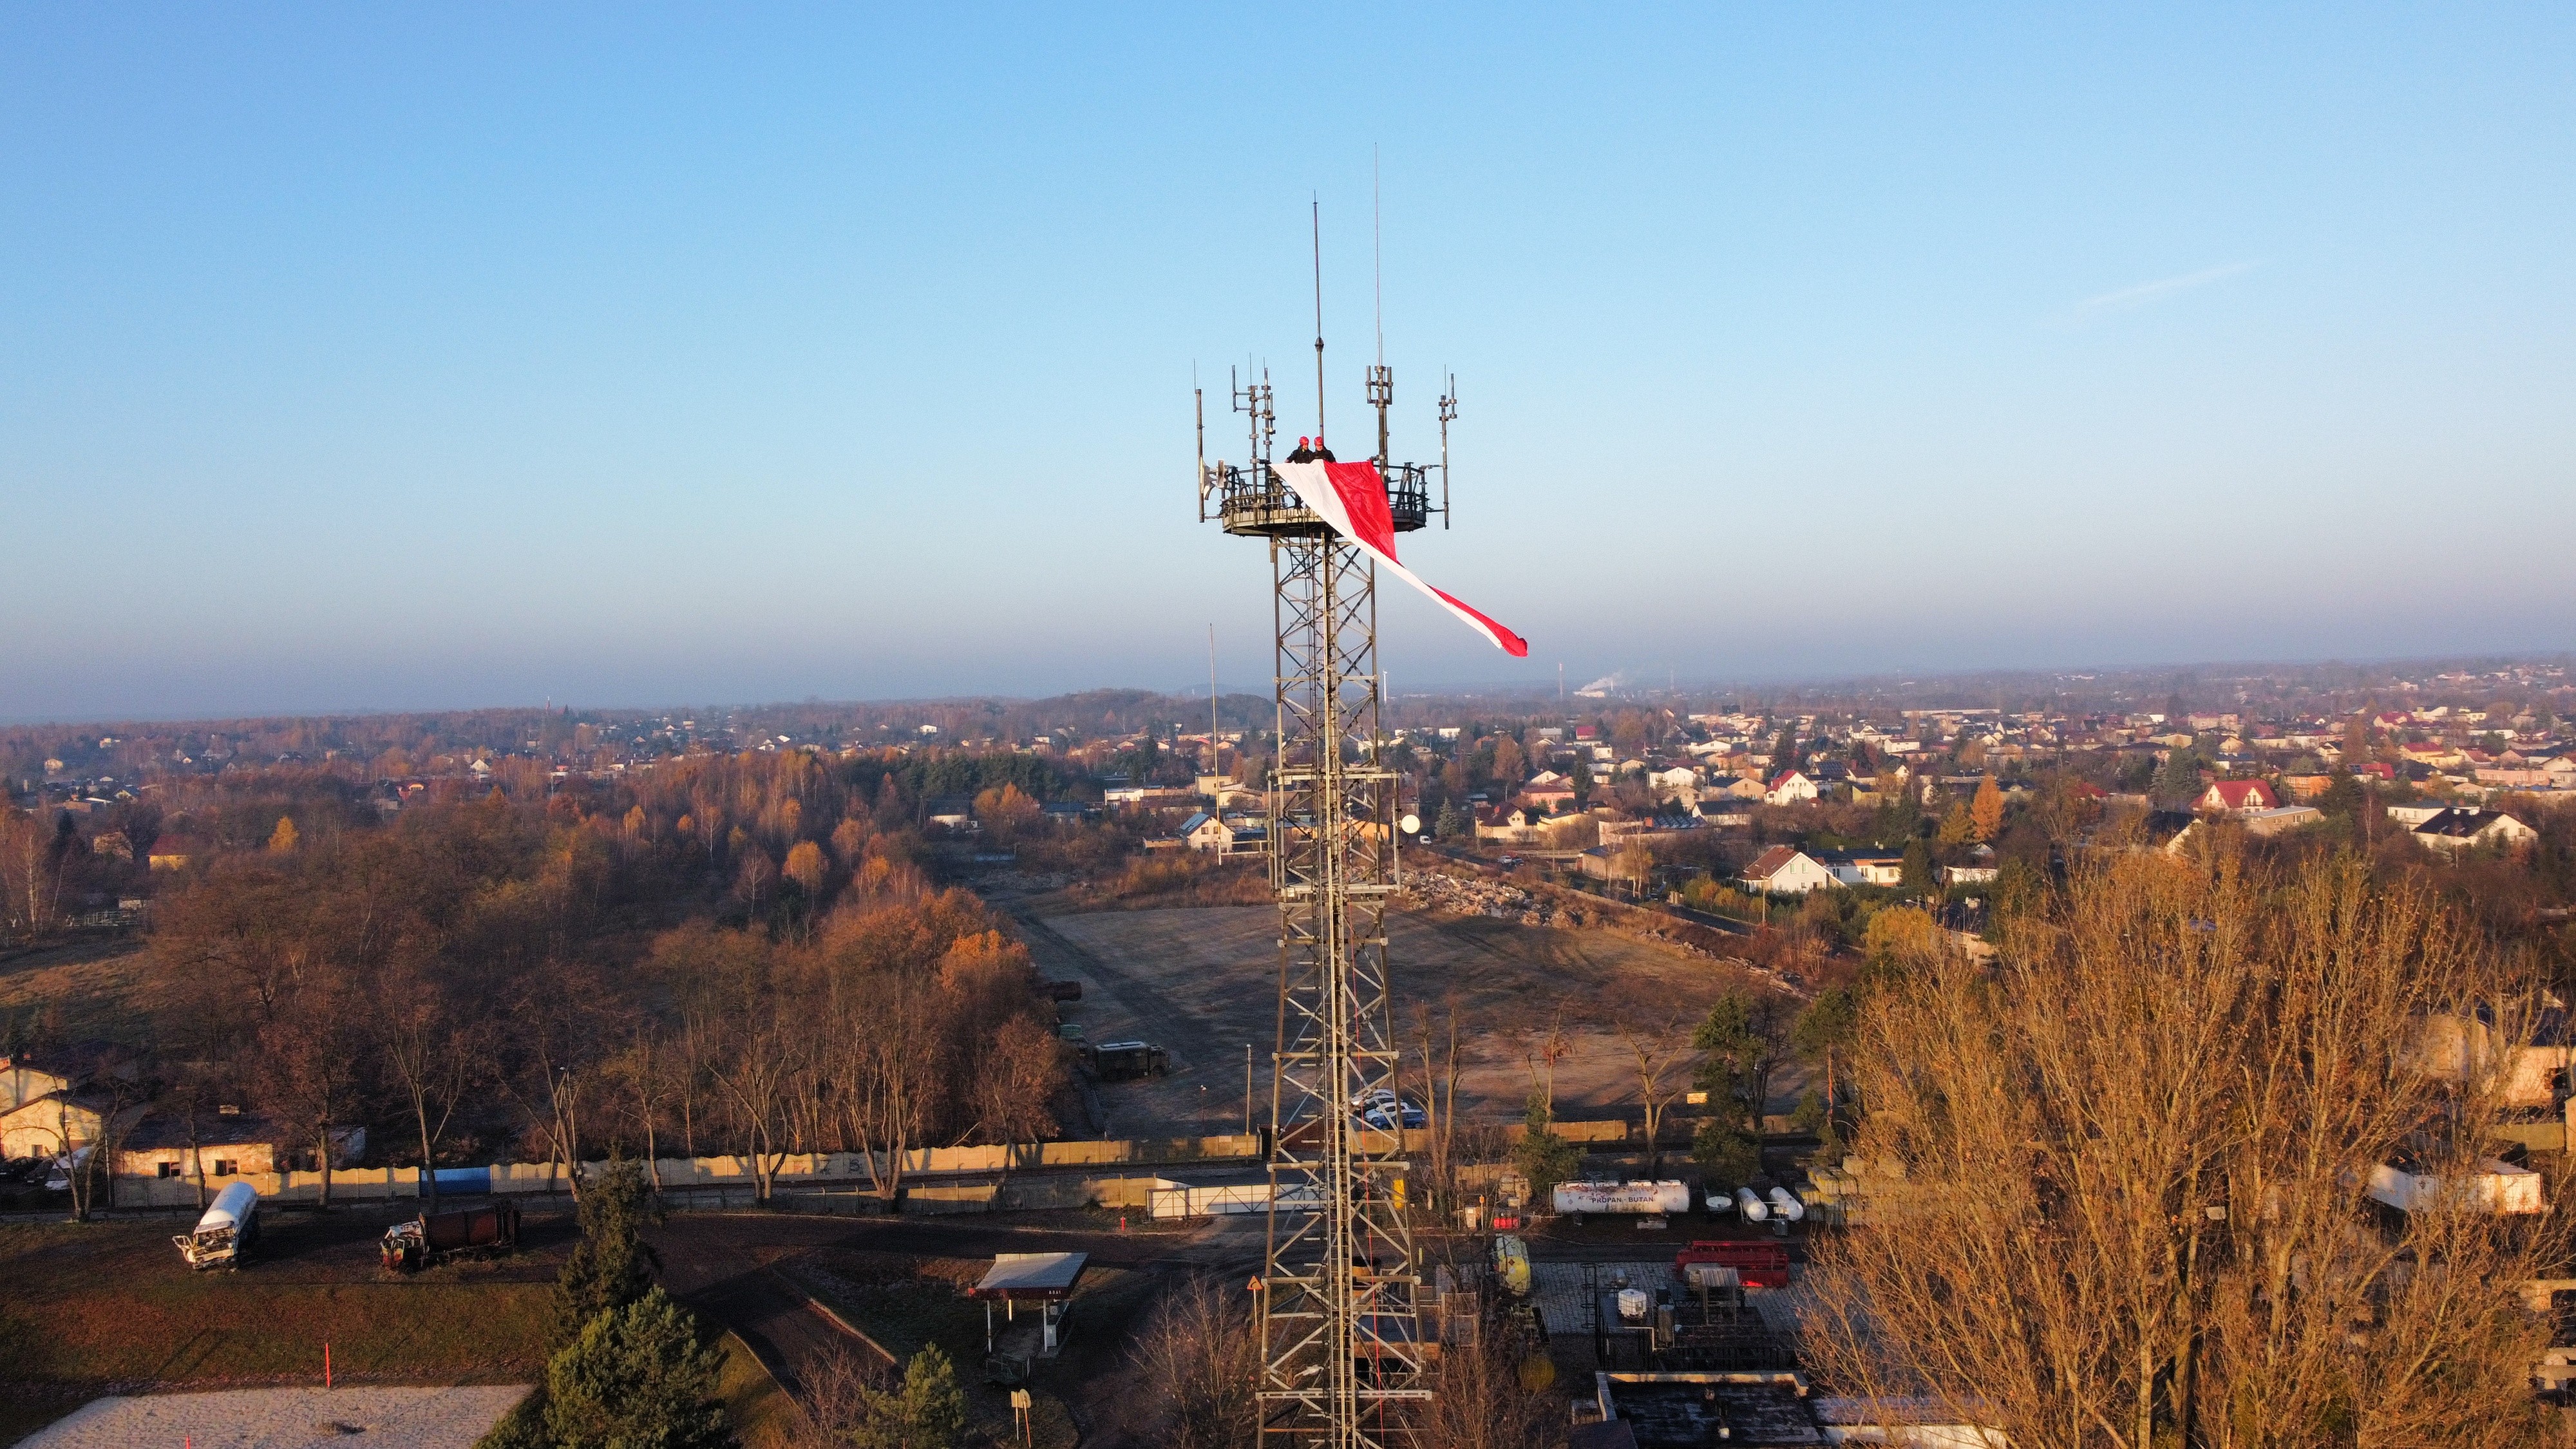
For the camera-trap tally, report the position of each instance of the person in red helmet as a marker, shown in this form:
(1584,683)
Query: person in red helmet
(1303,454)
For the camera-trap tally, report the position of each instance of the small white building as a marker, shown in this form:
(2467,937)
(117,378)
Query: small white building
(1866,867)
(1789,787)
(2496,1185)
(1787,870)
(2461,829)
(1207,833)
(1672,779)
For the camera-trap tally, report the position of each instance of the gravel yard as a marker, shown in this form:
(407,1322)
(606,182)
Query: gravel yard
(382,1418)
(1203,981)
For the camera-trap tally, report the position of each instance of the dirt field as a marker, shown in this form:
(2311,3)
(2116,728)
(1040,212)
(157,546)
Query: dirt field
(101,1305)
(93,985)
(1203,982)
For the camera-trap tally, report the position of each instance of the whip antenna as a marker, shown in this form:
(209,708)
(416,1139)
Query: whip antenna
(1318,224)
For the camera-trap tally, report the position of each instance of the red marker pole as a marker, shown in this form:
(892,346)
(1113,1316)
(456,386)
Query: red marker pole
(326,1364)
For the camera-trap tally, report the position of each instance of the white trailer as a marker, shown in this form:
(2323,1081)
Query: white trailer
(226,1232)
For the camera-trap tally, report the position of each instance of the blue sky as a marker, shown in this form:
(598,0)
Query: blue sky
(370,357)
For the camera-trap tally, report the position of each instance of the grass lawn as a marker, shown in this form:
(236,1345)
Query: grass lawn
(101,1307)
(763,1416)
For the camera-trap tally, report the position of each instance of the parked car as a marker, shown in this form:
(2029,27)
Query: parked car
(1383,1111)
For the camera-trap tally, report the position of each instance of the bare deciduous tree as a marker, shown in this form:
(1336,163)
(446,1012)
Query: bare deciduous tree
(431,1051)
(1201,1360)
(1659,1048)
(2134,1161)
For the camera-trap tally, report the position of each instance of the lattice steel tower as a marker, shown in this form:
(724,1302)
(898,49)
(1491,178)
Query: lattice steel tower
(1343,1360)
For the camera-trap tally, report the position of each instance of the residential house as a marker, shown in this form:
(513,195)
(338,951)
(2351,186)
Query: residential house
(2435,753)
(26,1076)
(1789,787)
(951,812)
(58,1122)
(1672,780)
(1206,833)
(1864,867)
(1732,787)
(1553,797)
(1787,870)
(1615,833)
(1721,813)
(2237,797)
(229,1142)
(1959,875)
(2280,818)
(2460,828)
(22,1081)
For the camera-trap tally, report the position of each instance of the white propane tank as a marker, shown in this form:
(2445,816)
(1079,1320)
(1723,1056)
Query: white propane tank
(1786,1204)
(1719,1202)
(1633,1303)
(1754,1209)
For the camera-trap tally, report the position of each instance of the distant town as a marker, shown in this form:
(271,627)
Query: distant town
(831,1012)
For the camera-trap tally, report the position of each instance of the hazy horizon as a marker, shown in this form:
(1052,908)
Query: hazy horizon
(419,359)
(2146,674)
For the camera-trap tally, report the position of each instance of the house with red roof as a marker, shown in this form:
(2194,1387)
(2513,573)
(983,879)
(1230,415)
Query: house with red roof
(1789,787)
(2237,797)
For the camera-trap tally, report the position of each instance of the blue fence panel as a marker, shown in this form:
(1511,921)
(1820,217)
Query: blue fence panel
(462,1179)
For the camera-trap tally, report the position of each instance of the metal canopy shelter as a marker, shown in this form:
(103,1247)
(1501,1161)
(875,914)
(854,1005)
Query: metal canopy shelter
(1046,1279)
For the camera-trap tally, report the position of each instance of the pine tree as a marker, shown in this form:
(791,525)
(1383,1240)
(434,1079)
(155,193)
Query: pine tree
(637,1376)
(1728,1156)
(2178,780)
(609,1267)
(1918,869)
(1543,1157)
(927,1412)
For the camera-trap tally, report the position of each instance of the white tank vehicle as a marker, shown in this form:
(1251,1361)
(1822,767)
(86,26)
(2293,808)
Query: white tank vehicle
(228,1230)
(1638,1198)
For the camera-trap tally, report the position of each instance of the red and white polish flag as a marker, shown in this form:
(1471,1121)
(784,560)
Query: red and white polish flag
(1352,498)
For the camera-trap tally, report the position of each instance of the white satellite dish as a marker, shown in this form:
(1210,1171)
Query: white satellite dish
(1412,824)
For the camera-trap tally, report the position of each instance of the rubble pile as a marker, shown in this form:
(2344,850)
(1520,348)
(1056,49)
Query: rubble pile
(1432,891)
(1502,901)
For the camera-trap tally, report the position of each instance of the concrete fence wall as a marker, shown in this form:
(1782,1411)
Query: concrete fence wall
(811,1170)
